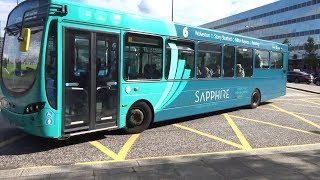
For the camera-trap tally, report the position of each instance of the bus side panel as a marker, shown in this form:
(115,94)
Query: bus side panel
(270,82)
(204,96)
(187,98)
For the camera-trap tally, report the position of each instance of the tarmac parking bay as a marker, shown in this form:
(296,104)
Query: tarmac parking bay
(290,121)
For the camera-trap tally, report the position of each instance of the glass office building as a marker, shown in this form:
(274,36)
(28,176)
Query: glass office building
(295,20)
(1,44)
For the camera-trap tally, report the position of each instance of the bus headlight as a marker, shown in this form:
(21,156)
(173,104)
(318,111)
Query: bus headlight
(34,108)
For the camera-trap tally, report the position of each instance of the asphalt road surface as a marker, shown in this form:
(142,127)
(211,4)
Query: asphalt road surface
(289,121)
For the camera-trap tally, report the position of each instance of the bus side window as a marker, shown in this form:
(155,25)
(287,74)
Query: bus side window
(262,59)
(209,60)
(184,64)
(244,62)
(276,60)
(228,61)
(51,65)
(143,57)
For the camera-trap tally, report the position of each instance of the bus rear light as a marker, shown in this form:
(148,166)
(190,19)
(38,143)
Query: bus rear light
(34,108)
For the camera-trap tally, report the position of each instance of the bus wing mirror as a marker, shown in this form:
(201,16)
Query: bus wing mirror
(24,39)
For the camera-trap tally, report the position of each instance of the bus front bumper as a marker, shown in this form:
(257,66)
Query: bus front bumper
(30,123)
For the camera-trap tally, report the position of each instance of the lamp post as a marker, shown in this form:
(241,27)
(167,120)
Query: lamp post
(17,2)
(172,10)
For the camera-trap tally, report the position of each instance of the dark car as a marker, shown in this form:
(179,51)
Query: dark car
(313,73)
(316,81)
(298,76)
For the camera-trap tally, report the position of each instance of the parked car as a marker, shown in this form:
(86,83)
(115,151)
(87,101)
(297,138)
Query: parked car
(298,76)
(313,73)
(316,81)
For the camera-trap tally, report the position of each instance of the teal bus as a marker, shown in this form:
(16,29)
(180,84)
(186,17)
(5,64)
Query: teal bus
(68,68)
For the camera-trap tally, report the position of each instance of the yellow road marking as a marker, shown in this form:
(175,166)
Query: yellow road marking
(11,140)
(36,167)
(282,100)
(299,117)
(127,146)
(309,101)
(122,153)
(104,149)
(270,109)
(239,134)
(312,115)
(295,104)
(275,125)
(302,92)
(317,99)
(209,136)
(201,154)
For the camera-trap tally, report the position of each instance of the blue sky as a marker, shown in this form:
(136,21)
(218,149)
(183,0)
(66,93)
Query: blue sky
(193,12)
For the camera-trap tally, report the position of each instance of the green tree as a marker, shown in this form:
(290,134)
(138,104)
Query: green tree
(287,42)
(310,59)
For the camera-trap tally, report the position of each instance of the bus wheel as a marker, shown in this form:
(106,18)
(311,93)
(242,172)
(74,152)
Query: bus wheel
(138,118)
(255,99)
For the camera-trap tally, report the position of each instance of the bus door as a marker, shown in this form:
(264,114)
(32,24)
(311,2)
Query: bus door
(91,91)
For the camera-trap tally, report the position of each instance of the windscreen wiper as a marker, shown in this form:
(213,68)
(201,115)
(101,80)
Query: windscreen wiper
(12,31)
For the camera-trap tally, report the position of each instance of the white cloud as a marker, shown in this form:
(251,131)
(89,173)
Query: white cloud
(7,7)
(193,12)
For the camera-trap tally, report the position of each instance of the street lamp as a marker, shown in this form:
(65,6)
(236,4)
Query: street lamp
(172,11)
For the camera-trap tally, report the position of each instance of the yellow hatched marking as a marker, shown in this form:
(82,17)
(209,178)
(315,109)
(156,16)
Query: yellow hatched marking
(316,99)
(11,140)
(37,167)
(302,92)
(127,146)
(209,136)
(311,115)
(313,98)
(275,125)
(275,148)
(104,149)
(239,134)
(295,104)
(299,117)
(282,100)
(122,153)
(309,101)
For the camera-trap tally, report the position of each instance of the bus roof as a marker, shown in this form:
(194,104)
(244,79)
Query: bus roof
(103,16)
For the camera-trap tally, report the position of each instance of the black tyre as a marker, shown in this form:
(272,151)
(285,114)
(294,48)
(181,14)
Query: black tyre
(317,83)
(296,80)
(308,82)
(255,99)
(139,118)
